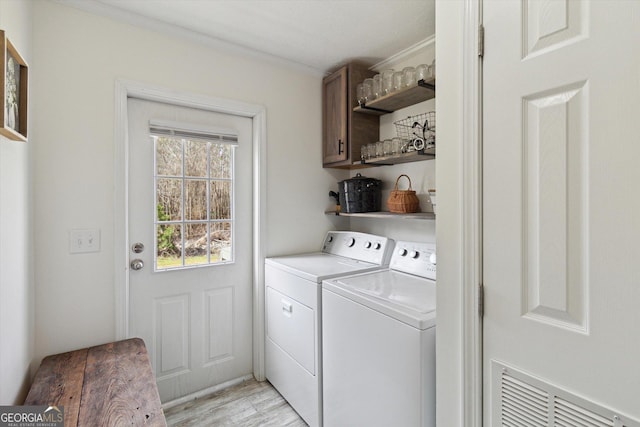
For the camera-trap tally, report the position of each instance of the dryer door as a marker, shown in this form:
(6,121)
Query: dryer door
(290,325)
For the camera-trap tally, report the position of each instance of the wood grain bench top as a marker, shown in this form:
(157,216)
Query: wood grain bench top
(107,385)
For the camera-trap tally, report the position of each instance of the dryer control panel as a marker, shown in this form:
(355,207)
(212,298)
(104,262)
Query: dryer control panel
(359,246)
(415,258)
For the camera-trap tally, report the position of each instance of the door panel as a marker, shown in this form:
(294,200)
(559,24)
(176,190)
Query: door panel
(560,214)
(192,300)
(554,206)
(171,331)
(219,314)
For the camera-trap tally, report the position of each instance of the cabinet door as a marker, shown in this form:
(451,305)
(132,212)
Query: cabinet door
(334,145)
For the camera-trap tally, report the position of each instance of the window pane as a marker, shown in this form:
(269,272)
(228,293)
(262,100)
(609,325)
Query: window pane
(220,203)
(169,199)
(195,158)
(195,199)
(168,244)
(221,160)
(195,244)
(193,184)
(221,242)
(168,156)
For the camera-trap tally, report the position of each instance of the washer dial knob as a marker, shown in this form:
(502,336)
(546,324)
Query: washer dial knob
(432,258)
(414,254)
(350,242)
(377,245)
(367,245)
(402,252)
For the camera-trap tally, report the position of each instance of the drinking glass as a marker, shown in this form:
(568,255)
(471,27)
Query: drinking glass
(368,89)
(396,145)
(387,81)
(422,72)
(379,149)
(408,76)
(371,149)
(360,94)
(398,80)
(377,85)
(387,147)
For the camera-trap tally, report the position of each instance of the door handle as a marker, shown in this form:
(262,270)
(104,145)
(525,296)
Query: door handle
(287,307)
(137,264)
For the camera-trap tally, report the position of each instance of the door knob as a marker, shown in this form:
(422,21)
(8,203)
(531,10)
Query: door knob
(137,264)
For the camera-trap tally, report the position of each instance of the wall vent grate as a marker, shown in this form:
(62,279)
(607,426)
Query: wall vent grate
(521,400)
(568,414)
(523,404)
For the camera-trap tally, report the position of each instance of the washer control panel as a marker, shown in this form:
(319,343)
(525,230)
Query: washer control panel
(415,258)
(359,246)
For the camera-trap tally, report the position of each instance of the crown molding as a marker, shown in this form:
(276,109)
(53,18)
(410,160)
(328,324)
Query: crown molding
(101,9)
(398,57)
(98,8)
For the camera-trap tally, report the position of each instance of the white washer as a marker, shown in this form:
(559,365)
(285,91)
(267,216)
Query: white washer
(378,343)
(293,345)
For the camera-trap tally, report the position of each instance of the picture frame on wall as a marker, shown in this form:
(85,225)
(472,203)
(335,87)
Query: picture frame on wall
(14,86)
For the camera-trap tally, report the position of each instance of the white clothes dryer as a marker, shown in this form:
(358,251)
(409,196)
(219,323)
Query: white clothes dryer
(293,345)
(378,345)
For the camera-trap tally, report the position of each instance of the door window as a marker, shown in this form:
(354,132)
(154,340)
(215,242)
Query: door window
(194,218)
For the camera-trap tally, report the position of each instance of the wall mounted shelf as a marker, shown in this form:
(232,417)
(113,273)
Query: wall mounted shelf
(413,156)
(419,92)
(387,215)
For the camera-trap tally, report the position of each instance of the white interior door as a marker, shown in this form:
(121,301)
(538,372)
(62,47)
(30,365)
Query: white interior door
(190,209)
(561,212)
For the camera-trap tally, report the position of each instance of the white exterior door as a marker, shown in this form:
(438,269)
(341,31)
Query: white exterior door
(190,208)
(561,229)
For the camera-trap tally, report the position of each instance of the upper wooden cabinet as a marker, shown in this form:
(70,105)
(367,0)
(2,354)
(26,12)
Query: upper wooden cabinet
(345,131)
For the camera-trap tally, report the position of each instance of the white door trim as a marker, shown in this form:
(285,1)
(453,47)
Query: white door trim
(471,217)
(125,89)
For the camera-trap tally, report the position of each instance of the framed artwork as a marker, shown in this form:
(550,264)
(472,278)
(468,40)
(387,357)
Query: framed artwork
(14,87)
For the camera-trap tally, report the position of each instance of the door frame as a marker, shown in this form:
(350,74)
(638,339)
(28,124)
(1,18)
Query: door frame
(125,89)
(471,216)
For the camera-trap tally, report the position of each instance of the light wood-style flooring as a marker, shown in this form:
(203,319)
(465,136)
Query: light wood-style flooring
(250,403)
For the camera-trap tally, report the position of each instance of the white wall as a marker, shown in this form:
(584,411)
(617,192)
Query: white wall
(78,57)
(449,30)
(16,279)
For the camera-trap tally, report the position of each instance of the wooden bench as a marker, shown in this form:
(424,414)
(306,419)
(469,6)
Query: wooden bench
(107,385)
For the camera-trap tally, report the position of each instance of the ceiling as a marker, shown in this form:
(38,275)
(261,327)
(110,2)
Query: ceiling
(316,34)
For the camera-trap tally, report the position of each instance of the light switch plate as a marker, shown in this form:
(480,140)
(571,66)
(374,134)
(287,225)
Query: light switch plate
(84,241)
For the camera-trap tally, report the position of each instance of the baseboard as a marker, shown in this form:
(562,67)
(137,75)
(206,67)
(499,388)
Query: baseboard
(205,392)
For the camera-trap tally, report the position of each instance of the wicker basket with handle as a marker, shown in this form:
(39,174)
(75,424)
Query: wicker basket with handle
(403,201)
